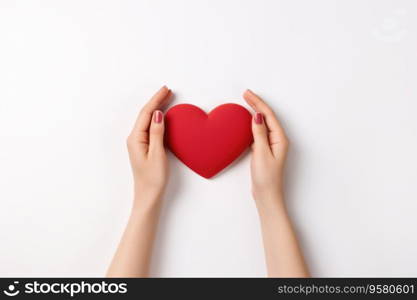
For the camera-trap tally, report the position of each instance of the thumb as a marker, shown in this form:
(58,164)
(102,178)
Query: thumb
(156,132)
(259,131)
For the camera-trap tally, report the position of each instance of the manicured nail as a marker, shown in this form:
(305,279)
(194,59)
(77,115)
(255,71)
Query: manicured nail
(259,118)
(158,116)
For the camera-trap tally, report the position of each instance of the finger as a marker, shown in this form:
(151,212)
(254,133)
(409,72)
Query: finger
(139,135)
(158,100)
(276,136)
(156,132)
(260,106)
(260,132)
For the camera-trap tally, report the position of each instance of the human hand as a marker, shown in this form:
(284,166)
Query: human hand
(283,254)
(150,173)
(269,152)
(147,153)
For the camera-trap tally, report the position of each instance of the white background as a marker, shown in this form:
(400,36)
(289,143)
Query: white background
(340,74)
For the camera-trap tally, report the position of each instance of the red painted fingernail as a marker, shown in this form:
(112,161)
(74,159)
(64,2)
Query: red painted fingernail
(158,116)
(259,118)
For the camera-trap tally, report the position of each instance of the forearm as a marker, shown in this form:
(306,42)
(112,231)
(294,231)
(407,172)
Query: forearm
(133,256)
(149,165)
(282,251)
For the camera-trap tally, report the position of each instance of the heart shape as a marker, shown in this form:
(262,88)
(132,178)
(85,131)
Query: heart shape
(208,143)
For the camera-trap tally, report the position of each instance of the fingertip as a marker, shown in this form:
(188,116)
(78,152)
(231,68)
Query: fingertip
(163,90)
(247,93)
(159,96)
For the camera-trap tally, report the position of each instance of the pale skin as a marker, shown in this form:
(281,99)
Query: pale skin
(150,173)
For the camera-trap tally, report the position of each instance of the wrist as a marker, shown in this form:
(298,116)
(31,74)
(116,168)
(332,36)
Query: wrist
(269,202)
(145,202)
(148,191)
(269,194)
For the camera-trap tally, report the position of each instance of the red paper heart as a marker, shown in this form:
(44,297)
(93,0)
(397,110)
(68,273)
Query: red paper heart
(208,143)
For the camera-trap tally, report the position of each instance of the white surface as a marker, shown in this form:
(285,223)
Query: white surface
(341,75)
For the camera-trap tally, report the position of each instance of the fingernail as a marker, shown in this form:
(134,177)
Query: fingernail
(158,116)
(259,118)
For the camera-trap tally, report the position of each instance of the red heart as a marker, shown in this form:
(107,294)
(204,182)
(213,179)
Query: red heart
(208,143)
